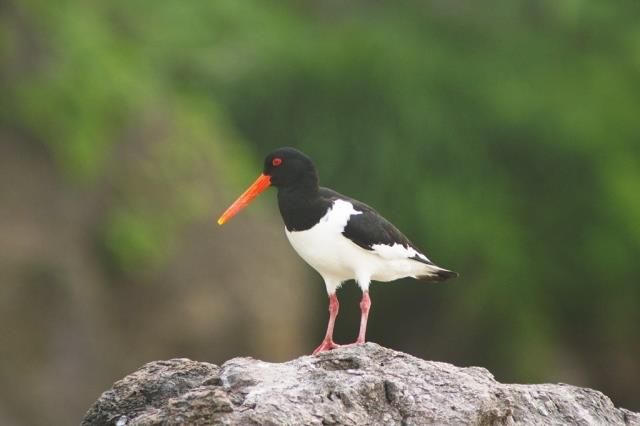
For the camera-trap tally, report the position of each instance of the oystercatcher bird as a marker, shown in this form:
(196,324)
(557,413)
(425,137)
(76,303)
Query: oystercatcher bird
(338,236)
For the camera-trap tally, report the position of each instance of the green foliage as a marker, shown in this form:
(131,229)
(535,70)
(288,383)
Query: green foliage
(86,81)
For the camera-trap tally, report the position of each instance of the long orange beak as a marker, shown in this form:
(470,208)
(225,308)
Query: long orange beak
(247,196)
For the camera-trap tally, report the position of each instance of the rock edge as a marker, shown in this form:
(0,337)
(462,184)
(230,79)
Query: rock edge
(358,385)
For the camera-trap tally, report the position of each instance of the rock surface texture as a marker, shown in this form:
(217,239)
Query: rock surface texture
(358,385)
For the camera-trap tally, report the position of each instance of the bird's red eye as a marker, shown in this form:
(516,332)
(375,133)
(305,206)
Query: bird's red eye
(276,161)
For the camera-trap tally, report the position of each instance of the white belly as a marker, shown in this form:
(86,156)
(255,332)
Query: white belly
(337,258)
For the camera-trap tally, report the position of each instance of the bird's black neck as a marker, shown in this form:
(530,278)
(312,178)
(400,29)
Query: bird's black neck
(301,205)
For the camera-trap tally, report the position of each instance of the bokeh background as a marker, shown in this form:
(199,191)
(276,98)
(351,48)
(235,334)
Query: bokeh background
(502,137)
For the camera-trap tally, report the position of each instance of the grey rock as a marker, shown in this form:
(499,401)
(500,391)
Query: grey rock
(357,385)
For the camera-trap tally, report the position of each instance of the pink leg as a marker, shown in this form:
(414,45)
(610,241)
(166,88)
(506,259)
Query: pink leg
(365,304)
(328,343)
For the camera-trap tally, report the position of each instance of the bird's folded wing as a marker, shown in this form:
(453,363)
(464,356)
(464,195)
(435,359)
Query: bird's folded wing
(373,232)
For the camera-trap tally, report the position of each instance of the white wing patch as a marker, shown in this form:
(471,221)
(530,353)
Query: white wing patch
(397,251)
(338,215)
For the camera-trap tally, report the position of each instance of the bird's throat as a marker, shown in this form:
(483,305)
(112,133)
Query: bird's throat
(301,207)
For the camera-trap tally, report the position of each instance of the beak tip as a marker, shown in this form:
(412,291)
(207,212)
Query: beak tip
(243,200)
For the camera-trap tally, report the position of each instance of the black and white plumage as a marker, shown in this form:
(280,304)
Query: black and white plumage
(341,238)
(353,241)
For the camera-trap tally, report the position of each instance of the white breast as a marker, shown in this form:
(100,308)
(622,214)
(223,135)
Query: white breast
(338,259)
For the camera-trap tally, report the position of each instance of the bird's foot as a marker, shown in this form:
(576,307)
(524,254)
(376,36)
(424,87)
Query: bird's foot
(326,345)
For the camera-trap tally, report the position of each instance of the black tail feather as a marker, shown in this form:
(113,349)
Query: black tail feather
(437,276)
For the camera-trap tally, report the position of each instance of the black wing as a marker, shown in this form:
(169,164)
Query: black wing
(370,228)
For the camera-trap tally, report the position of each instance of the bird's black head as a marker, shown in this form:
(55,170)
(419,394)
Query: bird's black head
(289,170)
(289,167)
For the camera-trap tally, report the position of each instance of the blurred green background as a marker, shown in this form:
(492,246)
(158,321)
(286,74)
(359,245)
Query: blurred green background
(502,137)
